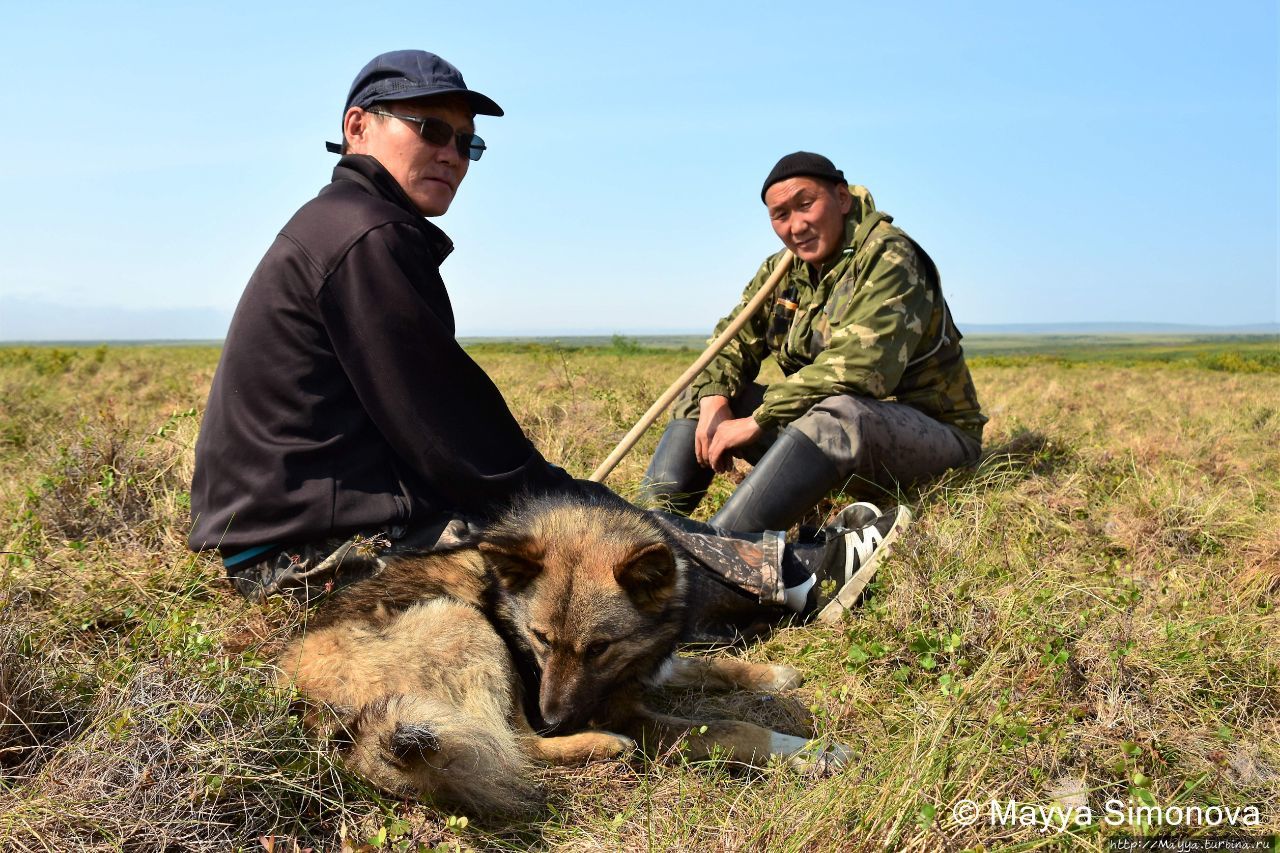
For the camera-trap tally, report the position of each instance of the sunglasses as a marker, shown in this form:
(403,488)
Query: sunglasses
(439,132)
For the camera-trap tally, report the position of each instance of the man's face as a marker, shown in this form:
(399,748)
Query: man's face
(808,216)
(429,174)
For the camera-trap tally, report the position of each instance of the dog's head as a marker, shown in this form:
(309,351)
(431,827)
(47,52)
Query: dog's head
(594,591)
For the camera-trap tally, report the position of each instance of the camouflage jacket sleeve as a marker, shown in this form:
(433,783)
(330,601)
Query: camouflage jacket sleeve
(739,362)
(877,317)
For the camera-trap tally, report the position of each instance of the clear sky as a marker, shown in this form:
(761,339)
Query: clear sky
(1062,162)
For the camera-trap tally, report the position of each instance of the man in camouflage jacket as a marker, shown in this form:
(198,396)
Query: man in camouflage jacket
(876,390)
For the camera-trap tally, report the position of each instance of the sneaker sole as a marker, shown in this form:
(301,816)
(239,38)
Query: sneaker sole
(849,593)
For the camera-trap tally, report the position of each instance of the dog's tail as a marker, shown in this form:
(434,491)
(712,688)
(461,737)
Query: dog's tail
(425,747)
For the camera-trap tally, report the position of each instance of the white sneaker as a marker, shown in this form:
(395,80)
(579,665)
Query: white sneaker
(854,556)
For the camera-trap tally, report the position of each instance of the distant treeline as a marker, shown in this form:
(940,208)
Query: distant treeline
(1232,353)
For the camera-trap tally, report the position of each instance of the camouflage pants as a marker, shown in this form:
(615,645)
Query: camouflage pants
(875,445)
(308,571)
(735,588)
(748,562)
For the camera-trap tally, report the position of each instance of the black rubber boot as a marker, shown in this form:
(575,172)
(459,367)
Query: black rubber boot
(674,478)
(787,482)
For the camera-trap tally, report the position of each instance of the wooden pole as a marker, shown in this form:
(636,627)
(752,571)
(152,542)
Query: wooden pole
(660,405)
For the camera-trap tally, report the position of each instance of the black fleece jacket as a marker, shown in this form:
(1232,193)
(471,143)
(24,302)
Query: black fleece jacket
(342,401)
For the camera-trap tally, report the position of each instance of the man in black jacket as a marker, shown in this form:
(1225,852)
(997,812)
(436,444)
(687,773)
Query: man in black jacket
(345,421)
(329,418)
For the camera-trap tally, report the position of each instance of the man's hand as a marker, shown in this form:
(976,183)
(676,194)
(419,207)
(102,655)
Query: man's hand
(729,436)
(712,411)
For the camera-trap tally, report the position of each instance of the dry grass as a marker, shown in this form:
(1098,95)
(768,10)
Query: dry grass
(1093,607)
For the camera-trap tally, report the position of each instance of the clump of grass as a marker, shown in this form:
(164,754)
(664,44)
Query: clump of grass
(42,702)
(145,731)
(166,760)
(102,485)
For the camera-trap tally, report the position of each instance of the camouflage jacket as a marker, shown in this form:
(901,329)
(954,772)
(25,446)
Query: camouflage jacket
(871,322)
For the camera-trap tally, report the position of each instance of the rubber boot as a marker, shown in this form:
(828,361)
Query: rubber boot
(787,482)
(674,478)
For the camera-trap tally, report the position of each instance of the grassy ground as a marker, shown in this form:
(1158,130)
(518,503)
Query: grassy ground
(1089,615)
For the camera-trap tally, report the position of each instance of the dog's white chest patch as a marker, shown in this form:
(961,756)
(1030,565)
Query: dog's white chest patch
(664,673)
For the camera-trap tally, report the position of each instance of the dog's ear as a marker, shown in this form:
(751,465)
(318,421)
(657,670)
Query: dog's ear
(515,566)
(648,576)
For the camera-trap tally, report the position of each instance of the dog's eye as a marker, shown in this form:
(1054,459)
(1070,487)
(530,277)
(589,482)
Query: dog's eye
(539,636)
(596,649)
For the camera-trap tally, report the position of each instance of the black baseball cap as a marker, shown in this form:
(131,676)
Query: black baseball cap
(803,163)
(403,74)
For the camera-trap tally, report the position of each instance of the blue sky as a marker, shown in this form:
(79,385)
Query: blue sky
(1061,162)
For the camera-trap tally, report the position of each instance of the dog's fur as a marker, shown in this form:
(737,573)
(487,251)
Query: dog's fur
(449,674)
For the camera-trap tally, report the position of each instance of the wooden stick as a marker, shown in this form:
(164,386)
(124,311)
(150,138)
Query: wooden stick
(660,405)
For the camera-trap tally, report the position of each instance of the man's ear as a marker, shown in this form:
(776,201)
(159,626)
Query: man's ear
(648,576)
(355,129)
(844,198)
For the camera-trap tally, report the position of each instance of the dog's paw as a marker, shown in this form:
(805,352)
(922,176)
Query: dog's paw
(612,745)
(810,757)
(782,677)
(822,759)
(786,746)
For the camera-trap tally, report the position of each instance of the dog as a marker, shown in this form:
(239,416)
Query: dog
(450,675)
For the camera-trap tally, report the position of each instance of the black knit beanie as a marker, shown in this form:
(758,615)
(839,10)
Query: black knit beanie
(803,163)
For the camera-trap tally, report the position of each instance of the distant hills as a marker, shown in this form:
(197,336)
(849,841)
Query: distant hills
(31,321)
(698,339)
(28,320)
(1116,329)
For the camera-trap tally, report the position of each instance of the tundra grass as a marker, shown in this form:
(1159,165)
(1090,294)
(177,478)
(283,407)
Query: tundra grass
(1087,617)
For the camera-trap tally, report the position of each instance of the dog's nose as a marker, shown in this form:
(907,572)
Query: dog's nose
(552,708)
(553,719)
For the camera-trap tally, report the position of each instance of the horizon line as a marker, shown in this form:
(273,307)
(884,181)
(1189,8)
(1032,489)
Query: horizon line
(1098,328)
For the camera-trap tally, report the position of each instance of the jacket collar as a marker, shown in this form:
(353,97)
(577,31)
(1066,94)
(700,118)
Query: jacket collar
(371,176)
(862,219)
